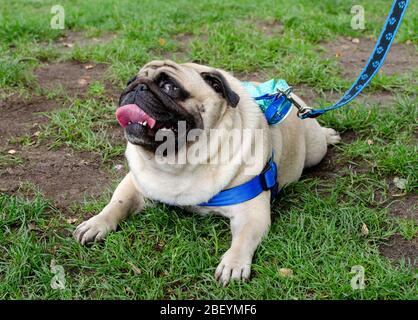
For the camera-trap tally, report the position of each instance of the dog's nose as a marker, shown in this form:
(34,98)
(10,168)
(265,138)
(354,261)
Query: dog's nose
(142,87)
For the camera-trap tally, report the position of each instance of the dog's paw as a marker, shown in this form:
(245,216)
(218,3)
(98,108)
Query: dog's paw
(93,230)
(332,136)
(232,267)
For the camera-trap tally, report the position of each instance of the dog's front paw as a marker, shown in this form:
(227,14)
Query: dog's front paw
(233,267)
(93,230)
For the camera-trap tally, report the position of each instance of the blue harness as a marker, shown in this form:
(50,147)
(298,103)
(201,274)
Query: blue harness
(266,180)
(275,99)
(276,107)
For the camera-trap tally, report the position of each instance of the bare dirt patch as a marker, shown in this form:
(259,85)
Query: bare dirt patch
(398,248)
(71,39)
(184,40)
(60,175)
(268,27)
(184,43)
(20,116)
(257,76)
(73,77)
(404,207)
(330,167)
(353,56)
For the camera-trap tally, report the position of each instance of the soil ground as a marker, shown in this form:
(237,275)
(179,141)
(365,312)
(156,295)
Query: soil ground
(63,175)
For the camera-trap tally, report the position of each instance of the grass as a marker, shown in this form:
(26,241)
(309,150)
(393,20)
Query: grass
(164,252)
(84,126)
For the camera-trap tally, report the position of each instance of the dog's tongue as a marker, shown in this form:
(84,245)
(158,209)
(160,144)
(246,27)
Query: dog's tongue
(132,113)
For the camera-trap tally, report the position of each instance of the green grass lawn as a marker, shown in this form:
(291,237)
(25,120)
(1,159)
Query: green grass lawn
(164,252)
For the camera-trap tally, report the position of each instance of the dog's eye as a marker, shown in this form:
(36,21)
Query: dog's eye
(168,87)
(217,87)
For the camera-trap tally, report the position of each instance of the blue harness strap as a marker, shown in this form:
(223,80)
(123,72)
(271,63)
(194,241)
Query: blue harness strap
(376,60)
(266,180)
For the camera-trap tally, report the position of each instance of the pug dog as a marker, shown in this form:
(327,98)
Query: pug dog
(164,93)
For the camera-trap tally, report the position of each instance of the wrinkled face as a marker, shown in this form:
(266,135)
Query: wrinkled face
(164,93)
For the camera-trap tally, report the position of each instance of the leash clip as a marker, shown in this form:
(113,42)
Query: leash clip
(303,109)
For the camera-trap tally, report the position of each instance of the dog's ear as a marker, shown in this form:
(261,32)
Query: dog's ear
(218,83)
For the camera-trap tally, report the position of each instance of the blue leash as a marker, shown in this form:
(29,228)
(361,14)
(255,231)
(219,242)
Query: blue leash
(275,96)
(275,99)
(376,60)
